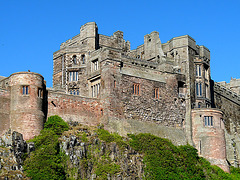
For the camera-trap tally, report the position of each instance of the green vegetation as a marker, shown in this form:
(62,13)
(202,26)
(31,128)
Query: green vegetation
(163,160)
(47,161)
(111,137)
(56,124)
(103,168)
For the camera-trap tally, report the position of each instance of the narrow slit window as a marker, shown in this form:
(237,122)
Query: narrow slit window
(156,93)
(74,59)
(40,93)
(83,59)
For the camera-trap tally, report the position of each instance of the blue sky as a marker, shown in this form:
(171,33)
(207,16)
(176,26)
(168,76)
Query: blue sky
(31,30)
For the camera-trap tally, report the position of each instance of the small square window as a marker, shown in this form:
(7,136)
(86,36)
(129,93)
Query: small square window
(25,90)
(208,120)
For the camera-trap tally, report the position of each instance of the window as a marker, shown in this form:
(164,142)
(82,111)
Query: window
(74,91)
(95,65)
(95,90)
(136,89)
(74,59)
(208,120)
(40,93)
(156,93)
(25,90)
(198,71)
(206,88)
(83,59)
(199,89)
(73,76)
(206,71)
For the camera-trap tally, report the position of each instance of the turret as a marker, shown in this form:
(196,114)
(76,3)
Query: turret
(27,103)
(209,137)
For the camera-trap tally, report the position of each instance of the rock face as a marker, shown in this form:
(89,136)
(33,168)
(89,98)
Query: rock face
(12,150)
(92,158)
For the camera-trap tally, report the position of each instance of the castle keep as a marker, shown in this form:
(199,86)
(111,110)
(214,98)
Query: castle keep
(160,88)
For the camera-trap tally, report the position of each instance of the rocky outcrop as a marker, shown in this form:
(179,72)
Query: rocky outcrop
(12,150)
(92,158)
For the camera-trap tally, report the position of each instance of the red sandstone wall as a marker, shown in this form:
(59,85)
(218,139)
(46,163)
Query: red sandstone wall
(74,108)
(210,140)
(26,110)
(4,110)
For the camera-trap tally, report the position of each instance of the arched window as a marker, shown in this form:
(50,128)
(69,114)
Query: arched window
(74,59)
(83,59)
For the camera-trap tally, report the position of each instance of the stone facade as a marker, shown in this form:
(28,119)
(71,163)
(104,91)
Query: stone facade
(160,88)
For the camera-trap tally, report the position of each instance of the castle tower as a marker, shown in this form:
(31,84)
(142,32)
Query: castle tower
(27,103)
(209,137)
(152,46)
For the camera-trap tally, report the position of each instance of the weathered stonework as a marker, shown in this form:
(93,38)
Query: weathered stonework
(160,88)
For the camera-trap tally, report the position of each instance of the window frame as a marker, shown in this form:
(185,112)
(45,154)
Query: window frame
(95,90)
(198,70)
(72,76)
(156,93)
(95,65)
(40,92)
(136,89)
(199,89)
(74,59)
(83,58)
(25,90)
(208,121)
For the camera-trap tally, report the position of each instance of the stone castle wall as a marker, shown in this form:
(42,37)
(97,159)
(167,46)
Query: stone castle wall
(4,110)
(87,111)
(229,103)
(27,106)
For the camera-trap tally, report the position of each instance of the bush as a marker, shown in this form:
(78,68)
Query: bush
(46,162)
(163,160)
(56,124)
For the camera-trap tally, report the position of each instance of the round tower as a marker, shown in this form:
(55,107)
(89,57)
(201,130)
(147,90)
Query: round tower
(27,103)
(209,136)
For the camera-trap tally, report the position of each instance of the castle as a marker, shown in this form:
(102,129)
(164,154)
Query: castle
(159,88)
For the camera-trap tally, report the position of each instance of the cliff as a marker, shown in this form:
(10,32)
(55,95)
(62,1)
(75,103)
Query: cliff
(85,152)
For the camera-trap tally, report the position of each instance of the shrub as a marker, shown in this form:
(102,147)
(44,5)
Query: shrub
(56,124)
(46,161)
